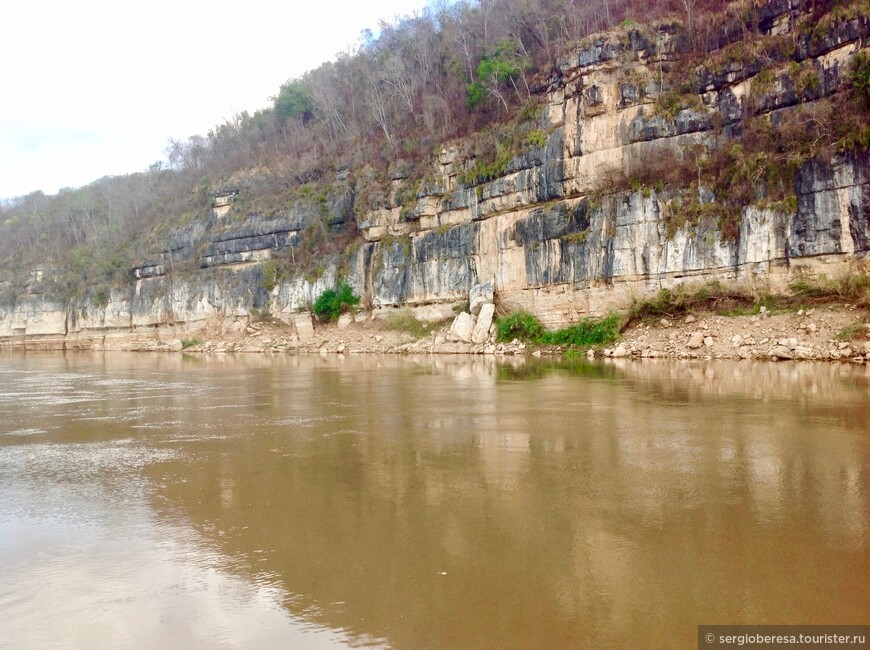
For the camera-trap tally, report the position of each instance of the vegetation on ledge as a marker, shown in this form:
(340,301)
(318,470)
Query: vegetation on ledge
(714,297)
(333,302)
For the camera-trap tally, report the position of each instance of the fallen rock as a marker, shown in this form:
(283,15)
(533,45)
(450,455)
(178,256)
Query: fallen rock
(803,352)
(690,319)
(484,322)
(620,351)
(480,295)
(708,341)
(695,341)
(462,327)
(781,352)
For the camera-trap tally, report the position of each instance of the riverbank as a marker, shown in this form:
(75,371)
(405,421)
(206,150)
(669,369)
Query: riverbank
(824,333)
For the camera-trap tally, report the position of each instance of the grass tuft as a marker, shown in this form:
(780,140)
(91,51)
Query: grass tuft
(405,321)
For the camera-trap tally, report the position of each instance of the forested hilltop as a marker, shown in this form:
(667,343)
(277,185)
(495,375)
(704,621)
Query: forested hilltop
(710,112)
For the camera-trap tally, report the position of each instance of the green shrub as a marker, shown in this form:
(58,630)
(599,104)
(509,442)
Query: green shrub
(189,343)
(588,332)
(521,325)
(333,302)
(101,298)
(860,76)
(268,274)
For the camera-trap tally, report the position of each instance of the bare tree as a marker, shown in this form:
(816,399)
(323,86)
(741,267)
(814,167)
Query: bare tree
(689,7)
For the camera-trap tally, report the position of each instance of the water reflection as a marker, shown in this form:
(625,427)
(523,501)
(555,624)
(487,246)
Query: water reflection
(439,502)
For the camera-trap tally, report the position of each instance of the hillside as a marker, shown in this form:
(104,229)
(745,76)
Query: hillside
(575,175)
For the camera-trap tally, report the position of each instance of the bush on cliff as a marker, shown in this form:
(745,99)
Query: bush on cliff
(333,302)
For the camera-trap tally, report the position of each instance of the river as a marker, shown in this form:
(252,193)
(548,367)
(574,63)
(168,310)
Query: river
(162,501)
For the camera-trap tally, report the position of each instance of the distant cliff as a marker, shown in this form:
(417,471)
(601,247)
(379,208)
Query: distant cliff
(642,170)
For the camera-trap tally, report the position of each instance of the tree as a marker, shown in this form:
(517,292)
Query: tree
(294,100)
(689,8)
(503,64)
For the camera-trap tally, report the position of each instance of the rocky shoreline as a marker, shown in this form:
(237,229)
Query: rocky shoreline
(822,332)
(814,334)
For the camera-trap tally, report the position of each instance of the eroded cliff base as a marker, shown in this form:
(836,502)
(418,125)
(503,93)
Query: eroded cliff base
(831,332)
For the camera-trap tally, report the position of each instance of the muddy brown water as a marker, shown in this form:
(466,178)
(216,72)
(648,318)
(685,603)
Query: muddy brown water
(311,502)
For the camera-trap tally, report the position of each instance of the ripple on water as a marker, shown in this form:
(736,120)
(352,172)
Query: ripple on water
(25,432)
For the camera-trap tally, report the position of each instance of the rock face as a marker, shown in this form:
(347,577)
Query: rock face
(540,237)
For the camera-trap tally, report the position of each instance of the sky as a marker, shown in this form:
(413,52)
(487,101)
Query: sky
(94,88)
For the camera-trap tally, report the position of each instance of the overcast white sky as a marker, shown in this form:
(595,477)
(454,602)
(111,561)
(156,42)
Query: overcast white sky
(97,87)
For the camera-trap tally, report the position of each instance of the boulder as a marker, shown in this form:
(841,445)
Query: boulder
(781,352)
(462,328)
(620,351)
(803,352)
(484,322)
(480,295)
(695,341)
(304,326)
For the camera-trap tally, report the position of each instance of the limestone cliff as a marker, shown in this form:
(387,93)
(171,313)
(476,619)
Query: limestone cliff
(561,228)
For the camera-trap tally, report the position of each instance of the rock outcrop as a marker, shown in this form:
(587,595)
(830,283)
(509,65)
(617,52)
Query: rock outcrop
(546,235)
